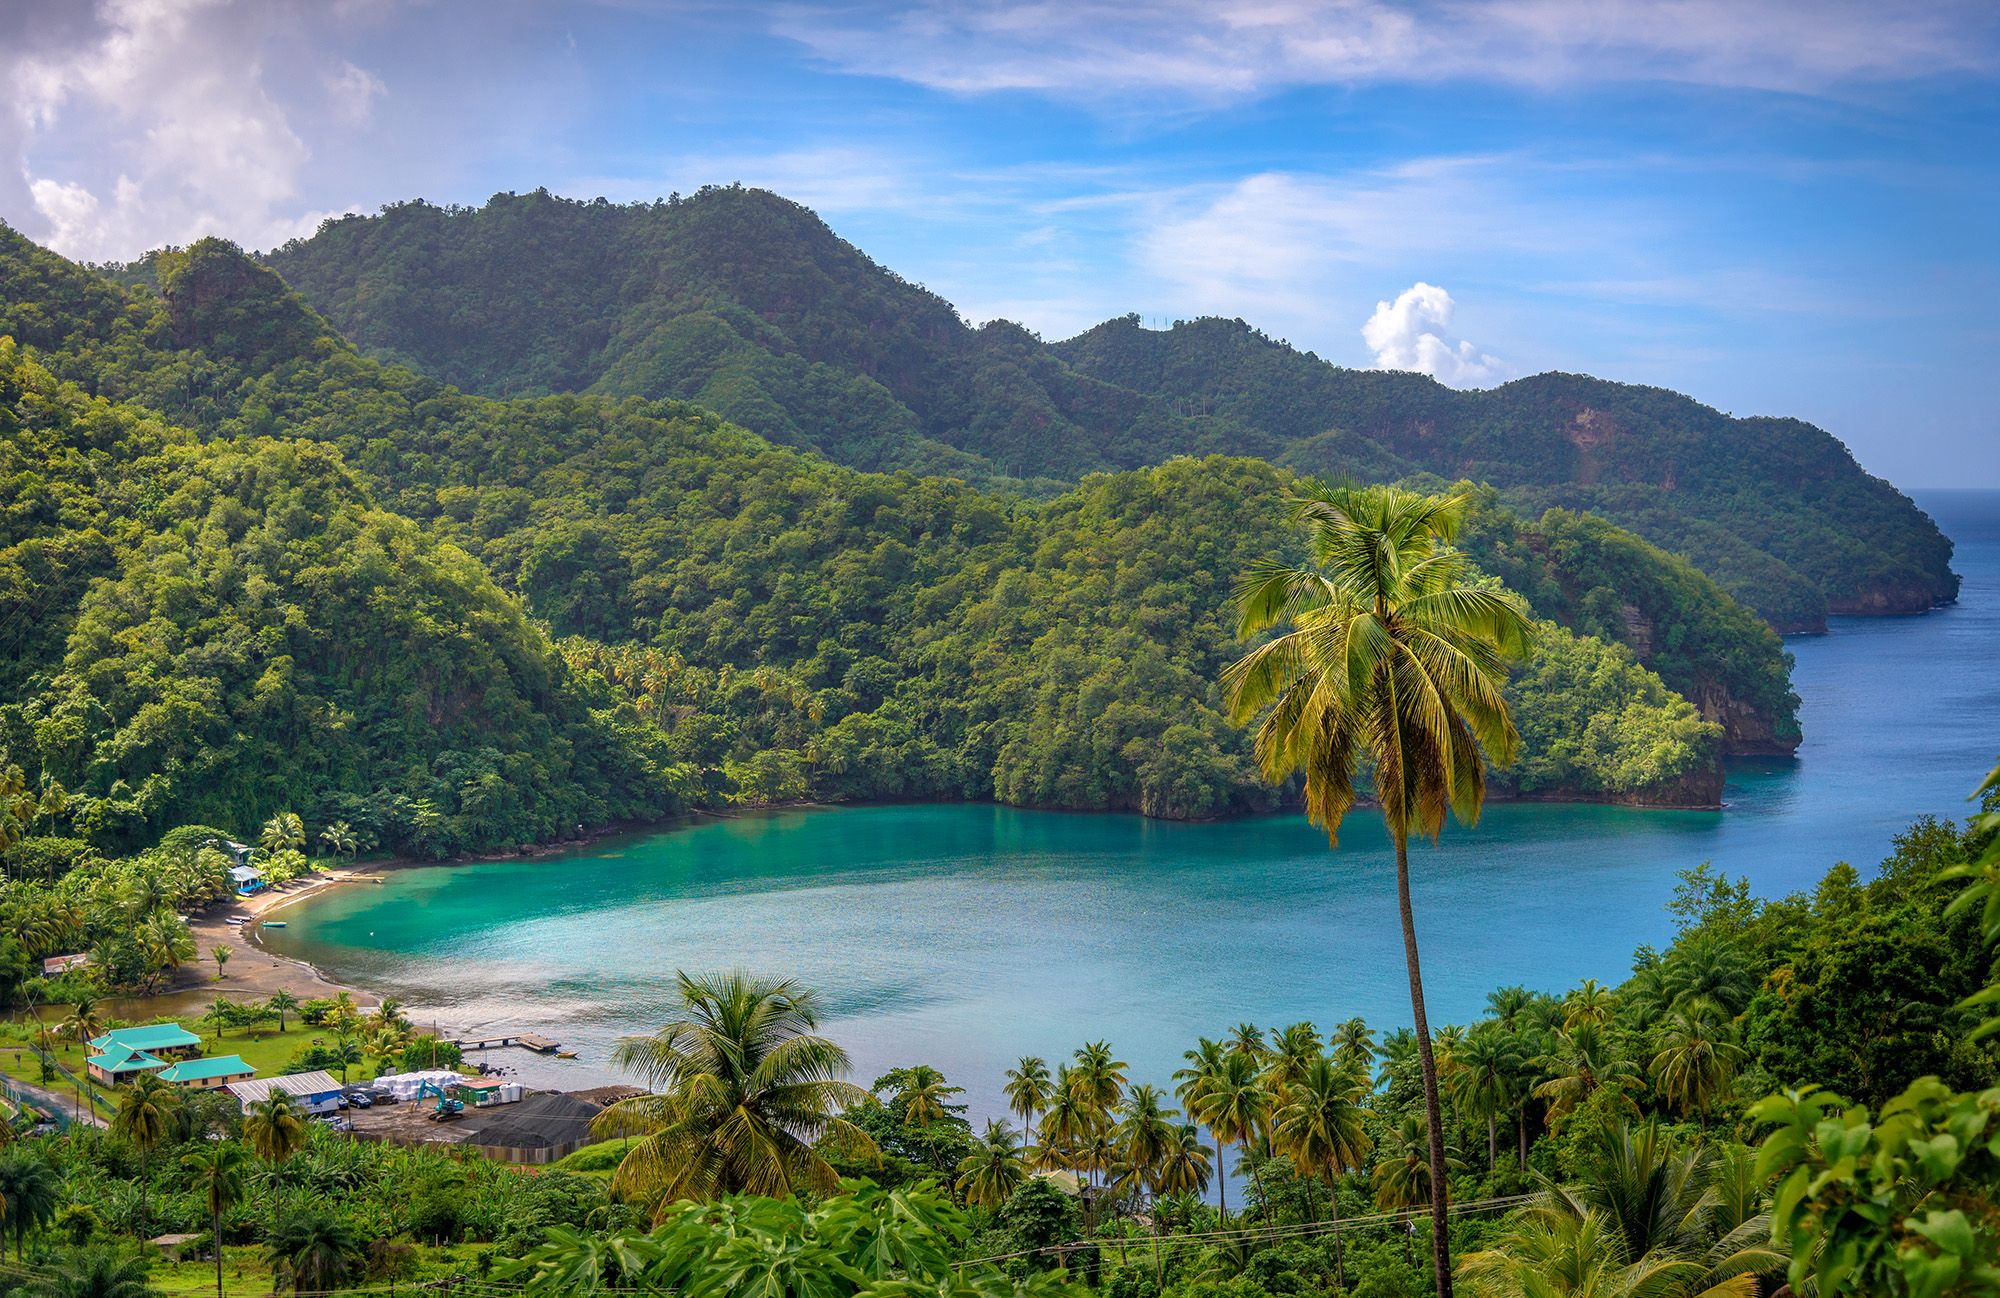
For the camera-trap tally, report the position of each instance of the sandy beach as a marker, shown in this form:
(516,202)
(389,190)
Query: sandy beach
(253,972)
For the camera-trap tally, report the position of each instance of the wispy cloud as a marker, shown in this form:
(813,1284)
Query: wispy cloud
(1231,49)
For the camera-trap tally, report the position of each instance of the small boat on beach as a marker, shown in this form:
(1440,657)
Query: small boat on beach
(272,923)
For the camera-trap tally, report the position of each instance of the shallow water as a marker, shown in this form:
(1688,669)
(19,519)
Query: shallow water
(965,936)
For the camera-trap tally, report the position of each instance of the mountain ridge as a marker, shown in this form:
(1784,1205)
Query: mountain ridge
(749,304)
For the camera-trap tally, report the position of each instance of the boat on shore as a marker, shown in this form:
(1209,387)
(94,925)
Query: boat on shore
(272,923)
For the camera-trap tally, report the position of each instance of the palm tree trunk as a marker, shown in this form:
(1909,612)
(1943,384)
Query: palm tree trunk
(1521,1132)
(1492,1141)
(1221,1184)
(1339,1250)
(217,1242)
(1433,1111)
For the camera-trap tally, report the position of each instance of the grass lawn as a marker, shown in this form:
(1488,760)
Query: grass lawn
(244,1274)
(263,1047)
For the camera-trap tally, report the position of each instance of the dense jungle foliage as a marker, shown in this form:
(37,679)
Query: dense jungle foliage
(313,598)
(1790,1090)
(750,306)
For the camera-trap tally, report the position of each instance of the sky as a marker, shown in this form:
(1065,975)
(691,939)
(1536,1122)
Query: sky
(1777,206)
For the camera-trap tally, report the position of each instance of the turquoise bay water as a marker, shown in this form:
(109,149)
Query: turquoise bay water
(966,936)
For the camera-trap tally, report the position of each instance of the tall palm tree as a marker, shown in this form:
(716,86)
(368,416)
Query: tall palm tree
(283,832)
(744,1090)
(218,1176)
(1234,1105)
(1247,1039)
(1395,653)
(1353,1045)
(1028,1091)
(1068,1123)
(925,1094)
(338,839)
(83,1026)
(1291,1053)
(993,1170)
(1320,1128)
(1145,1134)
(275,1127)
(1583,1063)
(1185,1168)
(145,1112)
(1098,1077)
(1698,1057)
(1590,1003)
(1484,1080)
(281,1004)
(1402,1178)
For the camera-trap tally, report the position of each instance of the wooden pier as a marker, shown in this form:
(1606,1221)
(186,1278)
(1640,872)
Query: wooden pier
(525,1040)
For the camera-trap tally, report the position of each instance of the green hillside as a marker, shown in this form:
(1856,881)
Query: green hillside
(245,568)
(749,305)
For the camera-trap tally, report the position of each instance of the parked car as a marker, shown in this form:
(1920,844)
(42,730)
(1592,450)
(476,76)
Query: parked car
(361,1099)
(342,1124)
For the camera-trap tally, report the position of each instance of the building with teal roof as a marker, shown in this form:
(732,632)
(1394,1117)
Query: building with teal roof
(154,1038)
(208,1074)
(115,1064)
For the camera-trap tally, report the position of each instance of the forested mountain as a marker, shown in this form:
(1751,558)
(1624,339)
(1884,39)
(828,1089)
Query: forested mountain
(244,567)
(749,305)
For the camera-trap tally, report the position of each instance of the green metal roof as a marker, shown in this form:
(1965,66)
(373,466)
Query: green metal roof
(124,1059)
(155,1036)
(199,1070)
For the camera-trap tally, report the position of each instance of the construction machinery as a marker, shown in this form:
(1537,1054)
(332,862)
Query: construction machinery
(448,1105)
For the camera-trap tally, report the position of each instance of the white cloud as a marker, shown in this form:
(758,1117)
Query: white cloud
(1230,49)
(353,91)
(1411,333)
(145,122)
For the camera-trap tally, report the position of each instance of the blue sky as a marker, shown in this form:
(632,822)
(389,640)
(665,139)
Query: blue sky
(1779,207)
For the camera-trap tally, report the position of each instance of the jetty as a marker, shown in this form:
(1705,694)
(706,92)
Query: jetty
(524,1040)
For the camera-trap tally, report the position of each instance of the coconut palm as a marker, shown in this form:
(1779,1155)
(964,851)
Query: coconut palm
(1146,1137)
(1234,1105)
(29,1189)
(1485,1080)
(925,1095)
(1697,1059)
(281,1004)
(218,1178)
(1353,1045)
(1099,1079)
(145,1112)
(284,832)
(1185,1169)
(1247,1039)
(312,1250)
(1068,1123)
(1028,1091)
(1584,1062)
(1395,652)
(993,1170)
(1145,1134)
(1507,1005)
(1590,1003)
(1711,967)
(91,1273)
(744,1090)
(1402,1177)
(83,1026)
(1319,1127)
(1643,1222)
(275,1127)
(1292,1051)
(338,839)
